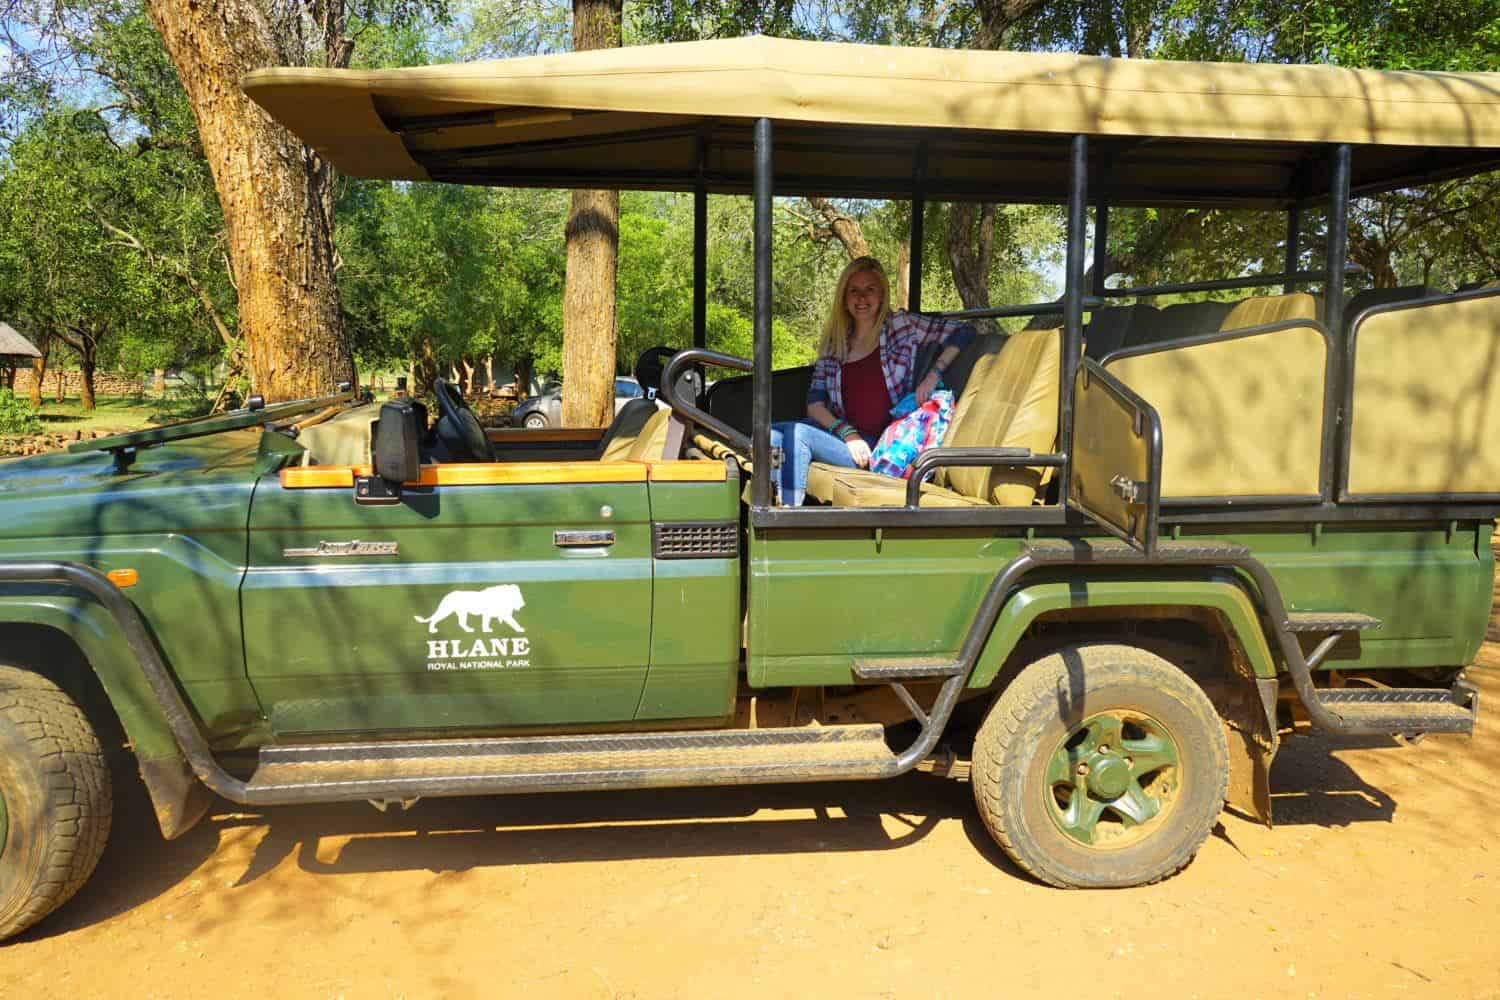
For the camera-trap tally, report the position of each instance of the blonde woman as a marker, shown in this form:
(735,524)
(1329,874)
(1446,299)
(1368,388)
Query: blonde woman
(867,361)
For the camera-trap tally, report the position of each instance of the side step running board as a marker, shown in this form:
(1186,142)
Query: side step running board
(407,770)
(1330,621)
(1408,711)
(907,668)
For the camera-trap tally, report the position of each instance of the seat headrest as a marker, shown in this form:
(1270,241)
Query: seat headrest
(1266,309)
(653,362)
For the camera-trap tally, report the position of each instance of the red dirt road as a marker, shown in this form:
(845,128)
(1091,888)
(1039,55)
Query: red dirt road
(1382,878)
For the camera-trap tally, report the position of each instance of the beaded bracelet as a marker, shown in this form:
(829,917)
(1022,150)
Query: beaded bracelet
(842,429)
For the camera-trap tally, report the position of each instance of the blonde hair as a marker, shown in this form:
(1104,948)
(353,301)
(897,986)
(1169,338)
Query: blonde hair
(834,342)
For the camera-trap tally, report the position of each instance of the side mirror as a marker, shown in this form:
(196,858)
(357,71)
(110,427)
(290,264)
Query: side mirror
(395,453)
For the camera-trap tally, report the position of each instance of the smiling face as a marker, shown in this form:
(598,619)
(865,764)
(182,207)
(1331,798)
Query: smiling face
(863,297)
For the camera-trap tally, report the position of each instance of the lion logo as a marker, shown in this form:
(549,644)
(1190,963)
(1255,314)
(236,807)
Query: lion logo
(498,603)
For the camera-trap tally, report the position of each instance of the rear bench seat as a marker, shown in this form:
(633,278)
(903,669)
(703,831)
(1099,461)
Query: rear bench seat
(1241,416)
(1009,401)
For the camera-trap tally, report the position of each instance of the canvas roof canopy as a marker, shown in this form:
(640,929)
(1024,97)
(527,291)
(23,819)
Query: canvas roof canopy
(866,120)
(13,345)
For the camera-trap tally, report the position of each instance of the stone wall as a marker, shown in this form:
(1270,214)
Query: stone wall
(69,382)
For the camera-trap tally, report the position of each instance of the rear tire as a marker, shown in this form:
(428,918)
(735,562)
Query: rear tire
(535,422)
(55,799)
(1101,766)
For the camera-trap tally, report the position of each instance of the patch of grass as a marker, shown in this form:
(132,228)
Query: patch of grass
(114,412)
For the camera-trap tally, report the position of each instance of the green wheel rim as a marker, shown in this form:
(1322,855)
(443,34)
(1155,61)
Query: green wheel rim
(1112,779)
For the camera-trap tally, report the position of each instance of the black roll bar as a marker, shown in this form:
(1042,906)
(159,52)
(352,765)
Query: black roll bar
(760,401)
(1006,312)
(1289,278)
(1073,294)
(691,412)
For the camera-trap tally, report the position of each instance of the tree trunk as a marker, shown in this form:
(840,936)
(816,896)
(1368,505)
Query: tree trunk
(841,227)
(901,294)
(969,254)
(593,236)
(86,380)
(273,191)
(524,370)
(39,369)
(424,368)
(997,16)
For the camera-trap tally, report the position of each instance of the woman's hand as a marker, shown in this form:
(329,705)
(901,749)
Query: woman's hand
(859,451)
(928,386)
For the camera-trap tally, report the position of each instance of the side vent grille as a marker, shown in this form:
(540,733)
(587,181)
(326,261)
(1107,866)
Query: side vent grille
(696,540)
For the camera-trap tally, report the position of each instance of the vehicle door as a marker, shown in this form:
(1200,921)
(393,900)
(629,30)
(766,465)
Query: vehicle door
(490,596)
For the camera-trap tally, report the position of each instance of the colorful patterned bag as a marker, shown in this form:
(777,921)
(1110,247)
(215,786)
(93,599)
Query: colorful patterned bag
(912,434)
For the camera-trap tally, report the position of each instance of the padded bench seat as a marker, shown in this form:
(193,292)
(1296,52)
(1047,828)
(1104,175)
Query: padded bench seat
(863,488)
(1009,401)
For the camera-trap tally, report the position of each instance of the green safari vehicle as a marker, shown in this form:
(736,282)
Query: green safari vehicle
(1153,542)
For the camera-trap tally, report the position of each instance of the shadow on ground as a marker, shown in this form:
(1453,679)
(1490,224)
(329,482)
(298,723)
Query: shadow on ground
(454,835)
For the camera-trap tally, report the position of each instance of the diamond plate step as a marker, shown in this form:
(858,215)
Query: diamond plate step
(1405,710)
(1330,621)
(398,770)
(905,668)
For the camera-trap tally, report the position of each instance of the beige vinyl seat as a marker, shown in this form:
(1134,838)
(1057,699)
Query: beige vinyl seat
(1241,413)
(1010,401)
(640,437)
(1266,309)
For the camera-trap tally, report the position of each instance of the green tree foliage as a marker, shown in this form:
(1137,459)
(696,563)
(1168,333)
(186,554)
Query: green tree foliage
(17,416)
(111,238)
(109,222)
(81,219)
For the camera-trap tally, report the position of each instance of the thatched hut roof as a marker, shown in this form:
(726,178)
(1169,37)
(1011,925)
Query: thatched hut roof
(13,345)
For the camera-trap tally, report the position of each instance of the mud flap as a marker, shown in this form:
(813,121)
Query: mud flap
(1249,714)
(179,798)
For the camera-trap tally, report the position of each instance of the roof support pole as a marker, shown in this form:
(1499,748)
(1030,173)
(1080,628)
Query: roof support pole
(1293,247)
(1101,246)
(1333,308)
(1072,346)
(918,213)
(1338,243)
(760,409)
(700,248)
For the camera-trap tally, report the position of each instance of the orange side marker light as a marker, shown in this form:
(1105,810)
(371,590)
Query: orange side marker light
(123,577)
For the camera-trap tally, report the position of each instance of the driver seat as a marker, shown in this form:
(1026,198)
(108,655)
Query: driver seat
(639,430)
(627,427)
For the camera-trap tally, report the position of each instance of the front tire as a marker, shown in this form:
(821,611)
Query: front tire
(55,799)
(535,422)
(1101,766)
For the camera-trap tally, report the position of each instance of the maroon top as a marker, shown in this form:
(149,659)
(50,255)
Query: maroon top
(867,401)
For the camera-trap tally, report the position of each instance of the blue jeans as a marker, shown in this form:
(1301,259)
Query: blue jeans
(803,443)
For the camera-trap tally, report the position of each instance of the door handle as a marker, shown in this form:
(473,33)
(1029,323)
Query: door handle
(583,539)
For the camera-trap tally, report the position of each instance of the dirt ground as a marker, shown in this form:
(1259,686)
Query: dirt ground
(1380,879)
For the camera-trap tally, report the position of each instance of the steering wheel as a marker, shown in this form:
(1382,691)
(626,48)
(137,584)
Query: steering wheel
(458,427)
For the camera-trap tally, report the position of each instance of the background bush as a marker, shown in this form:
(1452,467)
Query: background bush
(17,416)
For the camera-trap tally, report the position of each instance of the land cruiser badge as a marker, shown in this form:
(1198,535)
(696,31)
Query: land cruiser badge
(354,548)
(493,604)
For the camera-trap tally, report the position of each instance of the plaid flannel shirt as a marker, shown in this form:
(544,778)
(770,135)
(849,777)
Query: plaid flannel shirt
(901,339)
